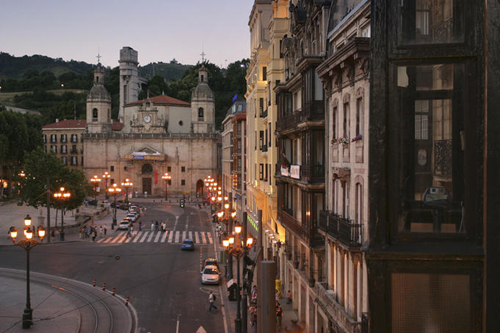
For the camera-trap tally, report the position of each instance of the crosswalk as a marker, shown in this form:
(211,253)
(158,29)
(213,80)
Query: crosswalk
(169,236)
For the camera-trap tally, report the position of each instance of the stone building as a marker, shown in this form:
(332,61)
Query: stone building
(160,134)
(343,291)
(130,81)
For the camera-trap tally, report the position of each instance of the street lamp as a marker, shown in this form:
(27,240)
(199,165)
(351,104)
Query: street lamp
(61,196)
(114,190)
(28,243)
(237,248)
(95,182)
(106,176)
(127,184)
(166,177)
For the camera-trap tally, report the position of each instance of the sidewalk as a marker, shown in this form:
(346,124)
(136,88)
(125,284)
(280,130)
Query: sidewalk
(289,322)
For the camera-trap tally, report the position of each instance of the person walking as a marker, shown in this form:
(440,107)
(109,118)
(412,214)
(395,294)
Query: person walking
(279,314)
(157,226)
(211,300)
(94,234)
(105,230)
(140,225)
(101,231)
(152,226)
(289,297)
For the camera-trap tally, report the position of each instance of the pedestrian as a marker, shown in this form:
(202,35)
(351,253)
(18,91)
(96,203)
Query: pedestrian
(211,300)
(85,232)
(94,234)
(152,226)
(105,230)
(82,233)
(130,231)
(279,314)
(254,294)
(157,226)
(289,297)
(101,232)
(140,225)
(277,295)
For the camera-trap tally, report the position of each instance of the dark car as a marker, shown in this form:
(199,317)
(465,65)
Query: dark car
(188,245)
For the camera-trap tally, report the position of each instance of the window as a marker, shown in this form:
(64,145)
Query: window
(74,160)
(359,117)
(183,182)
(346,123)
(169,169)
(147,168)
(431,21)
(53,148)
(334,123)
(64,160)
(94,114)
(44,138)
(74,137)
(432,141)
(64,138)
(264,73)
(183,169)
(200,114)
(112,168)
(53,138)
(74,150)
(261,171)
(64,149)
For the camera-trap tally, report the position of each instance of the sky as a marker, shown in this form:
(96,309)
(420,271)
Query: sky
(160,30)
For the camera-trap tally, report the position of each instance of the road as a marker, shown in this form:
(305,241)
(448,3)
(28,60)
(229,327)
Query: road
(162,281)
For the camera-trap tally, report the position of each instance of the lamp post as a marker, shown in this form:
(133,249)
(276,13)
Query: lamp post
(237,249)
(95,182)
(166,177)
(127,184)
(28,243)
(114,190)
(106,176)
(61,196)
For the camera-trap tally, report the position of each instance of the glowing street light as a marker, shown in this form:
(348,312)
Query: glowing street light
(95,182)
(166,177)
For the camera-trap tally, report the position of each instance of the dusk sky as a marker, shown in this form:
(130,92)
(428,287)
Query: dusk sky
(160,30)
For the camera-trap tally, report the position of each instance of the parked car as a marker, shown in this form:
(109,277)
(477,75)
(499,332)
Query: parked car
(133,216)
(135,209)
(210,262)
(210,275)
(124,224)
(187,245)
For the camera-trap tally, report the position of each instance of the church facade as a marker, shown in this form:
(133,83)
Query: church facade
(159,135)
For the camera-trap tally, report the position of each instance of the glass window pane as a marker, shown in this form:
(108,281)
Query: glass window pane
(432,181)
(431,21)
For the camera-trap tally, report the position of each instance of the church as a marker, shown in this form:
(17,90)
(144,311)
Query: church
(157,135)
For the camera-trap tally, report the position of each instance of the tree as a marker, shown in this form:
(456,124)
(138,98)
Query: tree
(40,166)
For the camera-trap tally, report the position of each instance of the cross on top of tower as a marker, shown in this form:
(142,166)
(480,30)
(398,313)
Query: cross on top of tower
(98,57)
(202,56)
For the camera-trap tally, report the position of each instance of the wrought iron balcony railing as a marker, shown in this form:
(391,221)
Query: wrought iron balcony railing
(341,228)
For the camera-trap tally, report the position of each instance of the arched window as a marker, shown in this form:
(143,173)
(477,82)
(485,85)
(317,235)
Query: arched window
(147,168)
(200,113)
(94,114)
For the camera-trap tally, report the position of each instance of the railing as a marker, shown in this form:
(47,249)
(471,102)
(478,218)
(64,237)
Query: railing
(150,135)
(263,113)
(310,112)
(74,151)
(263,148)
(328,302)
(305,232)
(314,173)
(341,228)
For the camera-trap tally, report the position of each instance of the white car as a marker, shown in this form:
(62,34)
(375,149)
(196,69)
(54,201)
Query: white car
(210,275)
(124,224)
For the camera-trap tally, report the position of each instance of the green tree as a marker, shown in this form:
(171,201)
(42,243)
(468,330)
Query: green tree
(40,166)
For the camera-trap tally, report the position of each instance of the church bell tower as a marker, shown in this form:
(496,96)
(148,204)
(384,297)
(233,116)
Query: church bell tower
(203,105)
(99,105)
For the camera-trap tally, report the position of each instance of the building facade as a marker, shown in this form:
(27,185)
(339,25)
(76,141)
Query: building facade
(64,139)
(160,135)
(343,292)
(301,141)
(434,155)
(130,81)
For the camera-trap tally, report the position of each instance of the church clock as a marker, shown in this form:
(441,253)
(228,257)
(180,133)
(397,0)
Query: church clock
(147,118)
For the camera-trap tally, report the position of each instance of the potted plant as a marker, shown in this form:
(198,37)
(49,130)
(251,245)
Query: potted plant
(357,138)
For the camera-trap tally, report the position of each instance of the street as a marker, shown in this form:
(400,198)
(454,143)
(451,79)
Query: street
(162,281)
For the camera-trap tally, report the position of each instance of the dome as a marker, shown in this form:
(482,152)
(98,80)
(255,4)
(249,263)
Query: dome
(202,91)
(98,92)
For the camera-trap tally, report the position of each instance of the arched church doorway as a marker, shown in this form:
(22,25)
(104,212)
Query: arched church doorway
(147,172)
(199,188)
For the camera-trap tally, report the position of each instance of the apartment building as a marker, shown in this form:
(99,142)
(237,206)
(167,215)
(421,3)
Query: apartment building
(64,138)
(343,292)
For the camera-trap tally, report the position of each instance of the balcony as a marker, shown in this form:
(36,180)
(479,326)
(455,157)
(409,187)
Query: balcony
(263,148)
(263,113)
(310,112)
(340,228)
(305,232)
(336,313)
(313,173)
